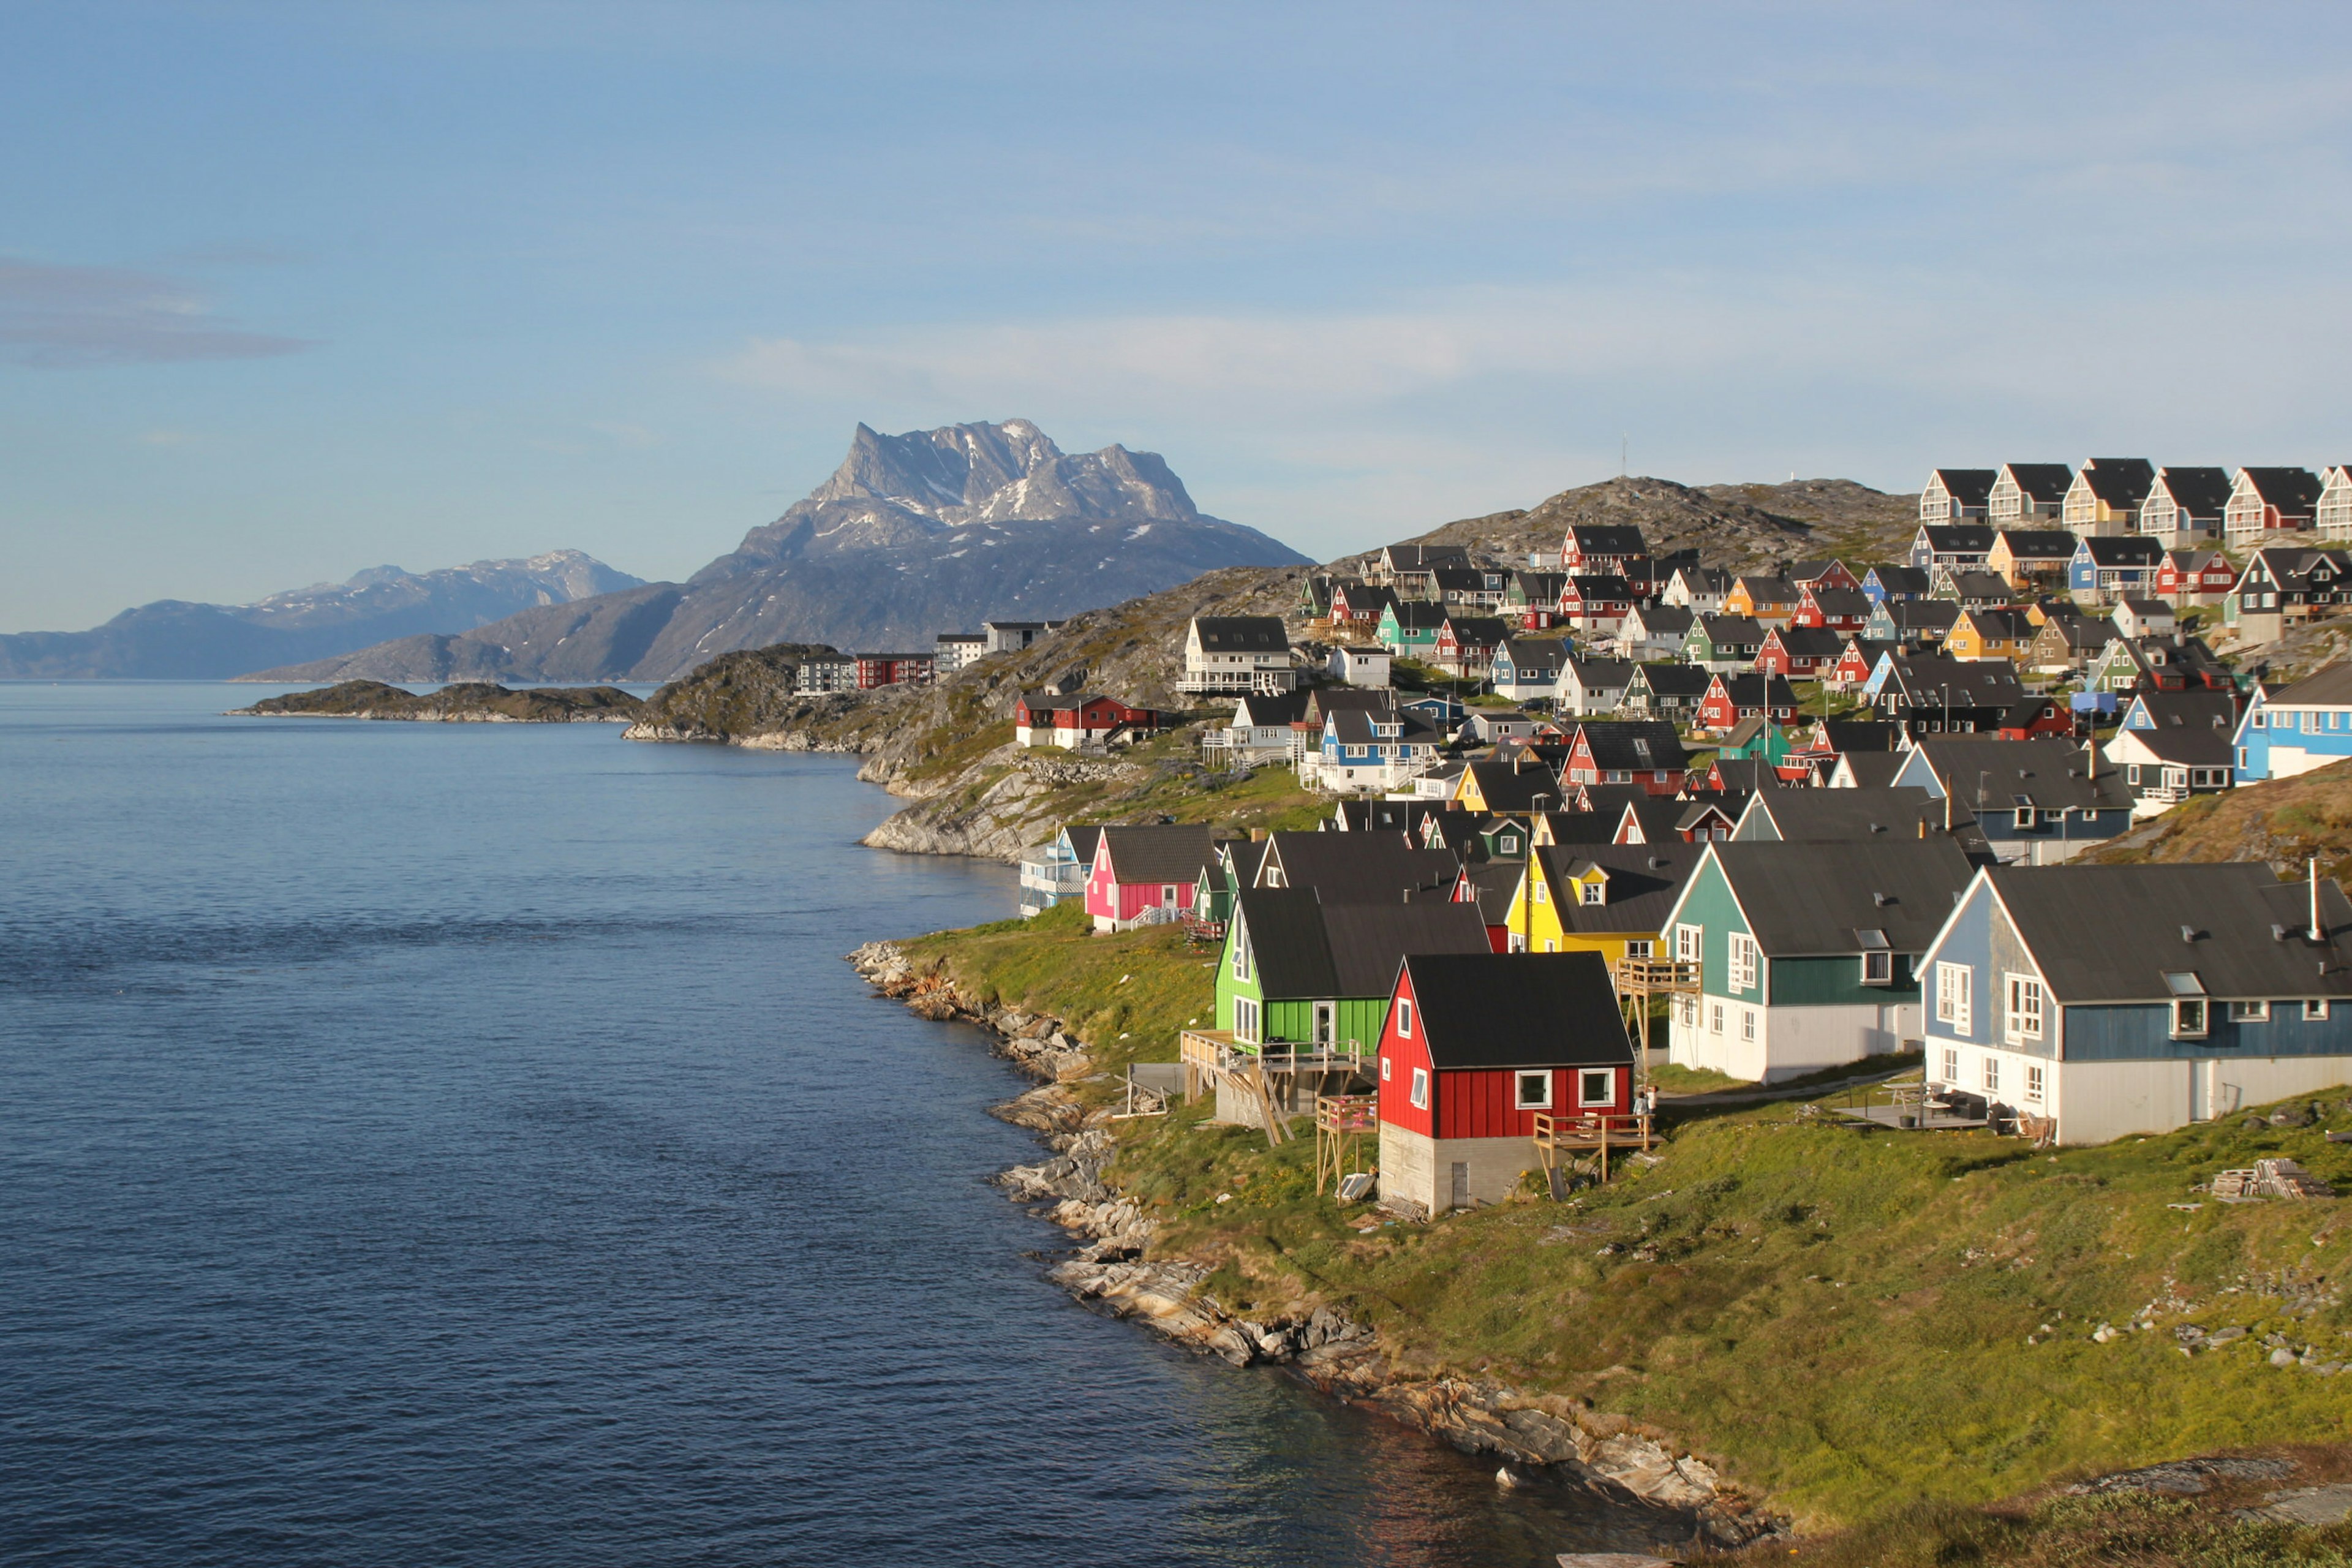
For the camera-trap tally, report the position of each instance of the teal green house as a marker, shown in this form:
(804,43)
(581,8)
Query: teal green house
(1296,971)
(1807,952)
(1755,740)
(1408,628)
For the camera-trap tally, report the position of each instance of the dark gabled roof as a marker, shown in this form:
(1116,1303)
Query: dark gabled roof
(1999,621)
(2049,773)
(1495,883)
(2294,568)
(1815,642)
(1969,487)
(1751,690)
(1459,579)
(1671,620)
(1842,601)
(1307,948)
(1703,579)
(2078,633)
(1872,770)
(1816,898)
(1978,583)
(1915,614)
(1416,614)
(1605,538)
(1645,879)
(2196,708)
(1083,841)
(2200,492)
(1601,672)
(1957,538)
(2039,544)
(1607,586)
(1413,557)
(2043,482)
(2294,491)
(1479,630)
(2198,747)
(1242,857)
(1675,680)
(1858,734)
(1739,631)
(1241,634)
(1368,596)
(1764,588)
(1804,573)
(1879,815)
(2147,607)
(1506,787)
(1162,854)
(1265,709)
(2119,481)
(1326,700)
(1903,579)
(2122,549)
(2329,687)
(1539,586)
(1932,680)
(2111,933)
(1744,776)
(1360,867)
(1636,743)
(1517,1010)
(1538,652)
(1660,817)
(1354,727)
(1595,826)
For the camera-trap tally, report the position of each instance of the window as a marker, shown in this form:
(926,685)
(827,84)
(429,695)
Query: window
(1596,1086)
(1951,1063)
(1387,1069)
(1534,1090)
(1509,844)
(1686,944)
(2023,816)
(1541,896)
(1421,1089)
(1404,1017)
(1953,984)
(2034,1083)
(2315,1009)
(1639,947)
(2021,1019)
(1878,967)
(1748,1023)
(2250,1012)
(1241,952)
(1993,1075)
(1743,962)
(1719,1018)
(1595,892)
(1168,895)
(2188,1017)
(1244,1019)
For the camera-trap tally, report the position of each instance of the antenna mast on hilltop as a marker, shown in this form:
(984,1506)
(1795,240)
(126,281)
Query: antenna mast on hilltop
(1624,446)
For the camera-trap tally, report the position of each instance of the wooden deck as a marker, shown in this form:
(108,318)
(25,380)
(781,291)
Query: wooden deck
(1579,1137)
(1265,1074)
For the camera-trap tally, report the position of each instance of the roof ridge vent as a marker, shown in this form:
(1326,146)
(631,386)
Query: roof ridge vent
(2190,933)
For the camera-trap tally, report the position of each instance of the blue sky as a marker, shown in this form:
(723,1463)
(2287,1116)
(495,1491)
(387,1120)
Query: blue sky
(288,290)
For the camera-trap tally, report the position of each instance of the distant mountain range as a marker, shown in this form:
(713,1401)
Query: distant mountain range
(173,639)
(913,535)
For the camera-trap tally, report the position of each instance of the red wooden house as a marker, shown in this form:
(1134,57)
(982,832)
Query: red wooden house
(1830,607)
(1146,876)
(1475,1048)
(1041,719)
(875,669)
(2034,717)
(1732,698)
(1595,604)
(2194,577)
(1823,575)
(1801,653)
(1601,548)
(1856,661)
(1645,751)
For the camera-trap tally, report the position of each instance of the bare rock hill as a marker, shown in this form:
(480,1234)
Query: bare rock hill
(916,534)
(1741,527)
(2282,823)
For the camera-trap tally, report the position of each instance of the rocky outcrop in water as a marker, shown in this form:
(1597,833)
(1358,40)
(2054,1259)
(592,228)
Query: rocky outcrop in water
(470,702)
(1077,1188)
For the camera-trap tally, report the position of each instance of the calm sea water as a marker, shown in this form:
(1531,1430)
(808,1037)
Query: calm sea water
(462,1145)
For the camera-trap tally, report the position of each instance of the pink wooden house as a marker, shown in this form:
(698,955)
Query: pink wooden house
(1144,876)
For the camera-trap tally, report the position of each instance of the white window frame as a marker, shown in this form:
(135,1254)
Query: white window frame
(2315,1009)
(1718,1019)
(1992,1074)
(1742,962)
(1951,1063)
(1420,1091)
(1690,943)
(1747,1024)
(1247,1021)
(1584,1082)
(1243,963)
(1592,892)
(2023,1010)
(1404,1018)
(1388,1068)
(2257,1011)
(2192,1017)
(1521,1100)
(1542,895)
(1955,983)
(1877,966)
(1640,947)
(2036,1082)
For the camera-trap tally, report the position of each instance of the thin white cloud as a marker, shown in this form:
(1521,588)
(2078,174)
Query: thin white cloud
(66,316)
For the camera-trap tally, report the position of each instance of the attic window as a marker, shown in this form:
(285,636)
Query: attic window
(1595,892)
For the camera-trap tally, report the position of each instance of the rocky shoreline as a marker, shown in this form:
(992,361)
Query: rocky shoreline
(1109,1267)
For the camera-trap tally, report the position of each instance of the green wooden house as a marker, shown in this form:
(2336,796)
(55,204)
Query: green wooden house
(1807,951)
(1756,738)
(1408,628)
(1295,970)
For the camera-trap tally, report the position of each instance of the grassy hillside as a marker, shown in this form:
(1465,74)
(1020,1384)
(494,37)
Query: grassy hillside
(1849,1320)
(2285,822)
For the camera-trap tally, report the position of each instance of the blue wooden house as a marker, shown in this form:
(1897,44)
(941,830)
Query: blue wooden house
(2297,728)
(1881,584)
(2101,1001)
(2039,801)
(2109,567)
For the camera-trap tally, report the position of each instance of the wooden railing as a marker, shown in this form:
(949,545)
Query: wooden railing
(1591,1133)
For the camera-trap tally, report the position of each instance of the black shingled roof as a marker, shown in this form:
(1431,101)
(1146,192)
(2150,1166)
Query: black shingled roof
(2119,481)
(1517,1010)
(1815,900)
(1969,487)
(1306,948)
(1162,854)
(1241,634)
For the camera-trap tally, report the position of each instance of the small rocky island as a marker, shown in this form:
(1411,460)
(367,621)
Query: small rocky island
(467,703)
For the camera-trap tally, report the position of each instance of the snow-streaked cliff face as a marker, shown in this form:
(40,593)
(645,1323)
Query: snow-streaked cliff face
(961,474)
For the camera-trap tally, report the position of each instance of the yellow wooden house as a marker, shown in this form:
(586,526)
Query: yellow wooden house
(1990,633)
(1609,898)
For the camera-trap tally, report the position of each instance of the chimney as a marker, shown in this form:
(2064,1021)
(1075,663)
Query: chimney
(1257,834)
